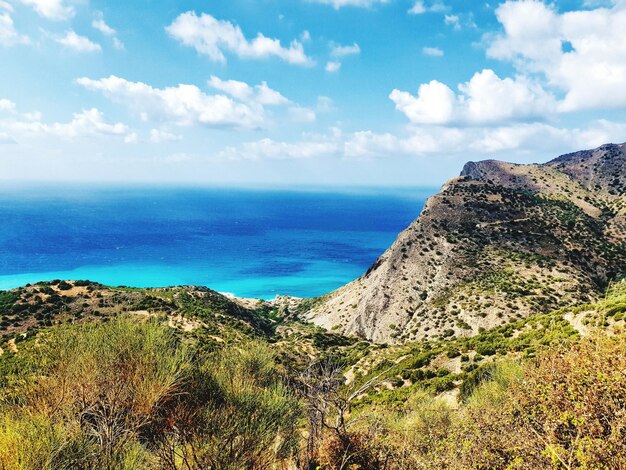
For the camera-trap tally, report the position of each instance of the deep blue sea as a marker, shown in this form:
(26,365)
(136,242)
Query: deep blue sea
(250,243)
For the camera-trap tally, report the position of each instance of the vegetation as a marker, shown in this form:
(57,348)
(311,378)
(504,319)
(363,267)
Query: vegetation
(187,379)
(127,394)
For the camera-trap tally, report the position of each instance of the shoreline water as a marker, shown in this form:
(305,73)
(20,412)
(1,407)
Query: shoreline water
(253,244)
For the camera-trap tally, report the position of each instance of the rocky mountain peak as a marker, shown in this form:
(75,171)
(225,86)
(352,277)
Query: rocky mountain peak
(500,242)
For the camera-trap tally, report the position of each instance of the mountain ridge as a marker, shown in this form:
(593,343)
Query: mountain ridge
(497,243)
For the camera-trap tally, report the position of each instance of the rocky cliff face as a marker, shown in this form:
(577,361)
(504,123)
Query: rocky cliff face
(500,242)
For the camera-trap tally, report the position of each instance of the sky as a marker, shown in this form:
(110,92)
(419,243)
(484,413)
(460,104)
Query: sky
(302,92)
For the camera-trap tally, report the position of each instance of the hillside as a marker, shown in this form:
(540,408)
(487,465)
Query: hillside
(497,244)
(202,316)
(198,381)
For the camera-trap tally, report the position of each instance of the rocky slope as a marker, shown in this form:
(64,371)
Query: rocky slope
(500,242)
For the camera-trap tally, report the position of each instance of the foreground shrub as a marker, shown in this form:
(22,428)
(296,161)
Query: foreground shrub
(251,422)
(568,410)
(564,410)
(126,395)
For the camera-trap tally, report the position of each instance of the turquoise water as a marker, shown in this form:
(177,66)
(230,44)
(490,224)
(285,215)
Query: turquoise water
(250,243)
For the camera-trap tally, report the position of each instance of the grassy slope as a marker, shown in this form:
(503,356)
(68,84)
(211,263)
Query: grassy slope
(440,391)
(214,321)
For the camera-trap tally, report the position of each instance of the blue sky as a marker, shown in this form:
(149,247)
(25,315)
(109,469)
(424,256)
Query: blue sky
(302,92)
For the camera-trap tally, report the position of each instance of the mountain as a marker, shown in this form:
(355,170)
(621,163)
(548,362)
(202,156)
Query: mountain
(498,243)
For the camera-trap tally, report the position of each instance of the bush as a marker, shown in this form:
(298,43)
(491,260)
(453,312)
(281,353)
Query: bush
(124,394)
(567,411)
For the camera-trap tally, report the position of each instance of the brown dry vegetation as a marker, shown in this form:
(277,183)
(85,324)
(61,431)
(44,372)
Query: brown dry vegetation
(130,391)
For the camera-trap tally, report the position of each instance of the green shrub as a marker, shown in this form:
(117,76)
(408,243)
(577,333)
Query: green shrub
(127,394)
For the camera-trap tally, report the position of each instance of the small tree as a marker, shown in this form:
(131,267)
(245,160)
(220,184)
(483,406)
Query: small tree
(329,401)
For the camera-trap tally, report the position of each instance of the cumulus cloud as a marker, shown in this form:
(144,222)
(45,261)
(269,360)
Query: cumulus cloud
(118,44)
(158,136)
(337,4)
(516,139)
(8,35)
(337,50)
(580,53)
(241,91)
(272,149)
(10,108)
(212,37)
(565,62)
(454,21)
(501,141)
(485,99)
(186,105)
(333,66)
(131,138)
(99,24)
(325,104)
(432,51)
(7,105)
(420,7)
(87,123)
(78,43)
(55,10)
(302,114)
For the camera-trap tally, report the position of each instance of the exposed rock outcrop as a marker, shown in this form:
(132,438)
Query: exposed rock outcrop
(501,241)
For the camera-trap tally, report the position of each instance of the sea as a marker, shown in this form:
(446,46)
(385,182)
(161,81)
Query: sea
(253,243)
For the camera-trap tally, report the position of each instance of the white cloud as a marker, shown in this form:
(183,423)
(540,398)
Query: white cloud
(158,136)
(369,144)
(325,104)
(131,138)
(565,62)
(51,9)
(432,51)
(182,104)
(87,123)
(434,104)
(265,95)
(510,142)
(78,43)
(302,114)
(8,35)
(420,7)
(271,149)
(453,20)
(337,4)
(101,25)
(7,105)
(212,37)
(485,99)
(6,6)
(333,67)
(338,50)
(119,45)
(241,91)
(590,71)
